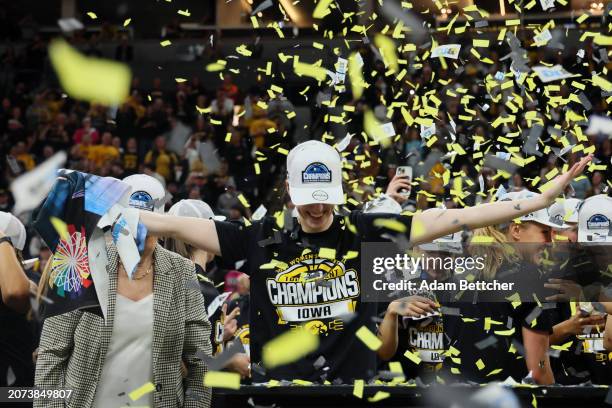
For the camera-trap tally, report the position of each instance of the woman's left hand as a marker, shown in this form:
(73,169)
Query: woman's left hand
(560,182)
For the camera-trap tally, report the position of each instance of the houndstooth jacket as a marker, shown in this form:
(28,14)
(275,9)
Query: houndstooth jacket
(73,345)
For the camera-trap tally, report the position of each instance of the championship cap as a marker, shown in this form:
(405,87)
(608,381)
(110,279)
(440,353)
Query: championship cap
(147,193)
(541,216)
(194,209)
(594,217)
(14,229)
(565,210)
(314,172)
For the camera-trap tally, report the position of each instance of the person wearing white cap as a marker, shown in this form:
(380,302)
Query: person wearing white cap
(16,340)
(14,283)
(565,213)
(155,324)
(240,362)
(286,262)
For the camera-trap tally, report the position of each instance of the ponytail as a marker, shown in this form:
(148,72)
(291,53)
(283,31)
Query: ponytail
(494,253)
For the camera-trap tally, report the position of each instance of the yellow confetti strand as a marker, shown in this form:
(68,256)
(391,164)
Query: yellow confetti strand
(92,15)
(222,379)
(141,391)
(322,9)
(60,227)
(89,79)
(368,338)
(289,347)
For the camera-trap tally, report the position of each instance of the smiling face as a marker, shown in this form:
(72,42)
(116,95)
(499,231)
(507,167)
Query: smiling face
(315,217)
(535,235)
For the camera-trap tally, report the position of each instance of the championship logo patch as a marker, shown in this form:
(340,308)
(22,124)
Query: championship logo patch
(598,221)
(141,200)
(316,173)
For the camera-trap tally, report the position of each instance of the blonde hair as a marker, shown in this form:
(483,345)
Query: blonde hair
(494,253)
(183,249)
(43,285)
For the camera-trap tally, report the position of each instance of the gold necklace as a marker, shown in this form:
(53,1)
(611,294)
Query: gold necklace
(149,270)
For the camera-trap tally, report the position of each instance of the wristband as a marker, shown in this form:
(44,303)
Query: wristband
(7,239)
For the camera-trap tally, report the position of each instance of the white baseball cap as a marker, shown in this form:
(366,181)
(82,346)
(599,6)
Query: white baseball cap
(541,216)
(147,193)
(194,209)
(314,171)
(565,210)
(382,204)
(14,229)
(594,217)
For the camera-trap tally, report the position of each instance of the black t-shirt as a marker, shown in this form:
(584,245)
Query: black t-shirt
(211,296)
(284,295)
(243,331)
(486,340)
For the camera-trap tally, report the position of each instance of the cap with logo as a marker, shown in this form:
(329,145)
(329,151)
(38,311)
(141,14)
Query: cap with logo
(14,229)
(594,217)
(147,193)
(565,210)
(314,172)
(541,216)
(194,209)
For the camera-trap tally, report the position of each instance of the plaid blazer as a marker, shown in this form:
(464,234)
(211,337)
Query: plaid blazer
(73,345)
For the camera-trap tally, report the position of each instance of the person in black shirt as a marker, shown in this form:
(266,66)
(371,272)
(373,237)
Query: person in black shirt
(306,273)
(497,339)
(213,300)
(16,335)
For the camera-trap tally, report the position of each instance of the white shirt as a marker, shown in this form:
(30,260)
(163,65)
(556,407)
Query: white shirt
(129,358)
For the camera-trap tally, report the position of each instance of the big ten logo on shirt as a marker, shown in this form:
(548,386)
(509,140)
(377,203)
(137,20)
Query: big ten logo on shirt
(426,338)
(313,293)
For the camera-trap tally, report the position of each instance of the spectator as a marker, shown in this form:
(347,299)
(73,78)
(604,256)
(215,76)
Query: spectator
(124,51)
(222,106)
(229,88)
(161,159)
(86,129)
(105,152)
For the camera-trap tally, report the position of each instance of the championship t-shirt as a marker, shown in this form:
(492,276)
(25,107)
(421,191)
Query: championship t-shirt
(486,343)
(296,286)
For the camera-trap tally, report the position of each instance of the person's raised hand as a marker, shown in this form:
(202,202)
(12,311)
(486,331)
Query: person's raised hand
(414,306)
(399,182)
(560,182)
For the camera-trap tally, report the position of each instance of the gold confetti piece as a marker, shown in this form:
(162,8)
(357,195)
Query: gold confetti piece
(254,22)
(351,255)
(480,364)
(356,75)
(222,379)
(482,239)
(481,43)
(387,50)
(257,169)
(374,129)
(508,332)
(289,347)
(393,225)
(242,50)
(322,9)
(602,83)
(534,401)
(496,371)
(216,66)
(368,338)
(583,17)
(165,43)
(468,319)
(243,200)
(328,253)
(414,357)
(142,390)
(600,39)
(310,70)
(92,15)
(127,22)
(379,396)
(301,382)
(185,13)
(180,80)
(513,22)
(488,322)
(60,227)
(565,346)
(89,79)
(358,388)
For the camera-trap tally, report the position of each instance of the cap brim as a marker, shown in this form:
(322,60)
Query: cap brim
(550,224)
(316,195)
(583,239)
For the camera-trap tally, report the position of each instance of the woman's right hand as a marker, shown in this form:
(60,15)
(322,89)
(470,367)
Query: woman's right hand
(240,363)
(230,324)
(413,306)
